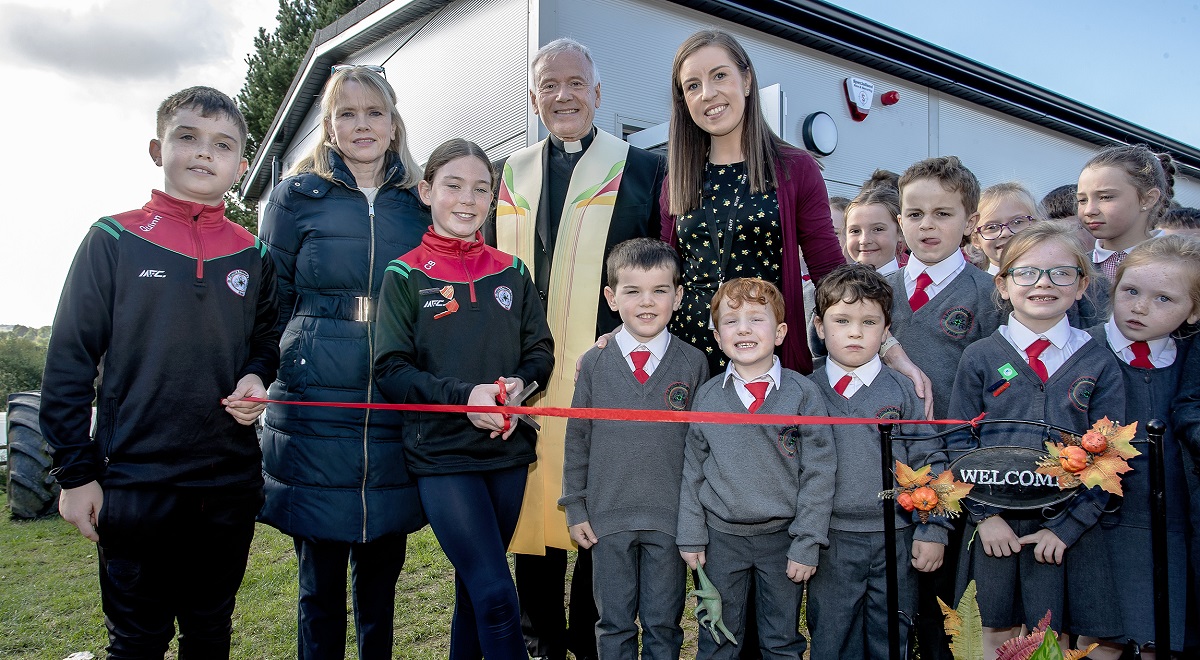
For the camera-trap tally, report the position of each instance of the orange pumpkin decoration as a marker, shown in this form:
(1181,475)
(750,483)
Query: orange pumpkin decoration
(924,498)
(905,501)
(1072,458)
(1093,442)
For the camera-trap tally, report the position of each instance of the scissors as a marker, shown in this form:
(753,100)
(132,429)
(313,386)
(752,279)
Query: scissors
(517,399)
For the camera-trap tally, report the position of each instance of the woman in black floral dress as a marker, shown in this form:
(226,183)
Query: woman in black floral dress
(749,224)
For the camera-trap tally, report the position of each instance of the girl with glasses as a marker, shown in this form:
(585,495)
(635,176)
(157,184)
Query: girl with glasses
(1004,210)
(1038,367)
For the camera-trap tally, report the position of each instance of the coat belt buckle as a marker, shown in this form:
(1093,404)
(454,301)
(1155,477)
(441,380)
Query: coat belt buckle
(363,312)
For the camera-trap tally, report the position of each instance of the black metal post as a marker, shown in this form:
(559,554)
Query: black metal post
(1158,538)
(889,543)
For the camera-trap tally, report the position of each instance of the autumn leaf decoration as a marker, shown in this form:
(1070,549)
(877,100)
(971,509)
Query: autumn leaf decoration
(1098,458)
(917,490)
(965,629)
(964,626)
(1041,643)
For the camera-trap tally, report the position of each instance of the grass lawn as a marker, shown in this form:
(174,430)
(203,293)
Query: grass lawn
(50,596)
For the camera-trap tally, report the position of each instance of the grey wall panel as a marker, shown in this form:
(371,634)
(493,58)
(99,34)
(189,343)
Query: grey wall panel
(1187,191)
(634,43)
(999,148)
(447,84)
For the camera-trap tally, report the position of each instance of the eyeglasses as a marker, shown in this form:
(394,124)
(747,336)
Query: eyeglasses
(992,230)
(369,67)
(1059,275)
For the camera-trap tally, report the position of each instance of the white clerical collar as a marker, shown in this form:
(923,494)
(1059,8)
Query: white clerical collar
(865,373)
(657,346)
(937,272)
(574,146)
(1022,336)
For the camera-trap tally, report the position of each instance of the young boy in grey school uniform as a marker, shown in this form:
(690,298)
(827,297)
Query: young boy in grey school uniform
(847,598)
(756,498)
(621,479)
(941,304)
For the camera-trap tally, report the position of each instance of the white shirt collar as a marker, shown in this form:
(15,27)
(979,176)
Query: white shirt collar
(866,373)
(890,267)
(992,268)
(773,375)
(1022,336)
(657,346)
(1119,342)
(1100,255)
(937,272)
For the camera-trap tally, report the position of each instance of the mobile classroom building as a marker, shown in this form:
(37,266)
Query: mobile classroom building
(460,68)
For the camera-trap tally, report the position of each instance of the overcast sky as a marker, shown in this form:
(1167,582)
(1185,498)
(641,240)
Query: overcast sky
(82,79)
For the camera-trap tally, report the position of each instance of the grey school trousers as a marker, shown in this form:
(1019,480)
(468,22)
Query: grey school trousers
(732,562)
(638,575)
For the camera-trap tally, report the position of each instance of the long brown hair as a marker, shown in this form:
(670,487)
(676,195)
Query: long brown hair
(1146,170)
(687,149)
(317,161)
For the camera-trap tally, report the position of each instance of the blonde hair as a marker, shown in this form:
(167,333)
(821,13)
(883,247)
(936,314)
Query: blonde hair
(317,161)
(687,148)
(1041,233)
(1160,250)
(993,196)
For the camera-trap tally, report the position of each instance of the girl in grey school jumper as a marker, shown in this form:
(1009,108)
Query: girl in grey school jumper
(1019,559)
(1157,291)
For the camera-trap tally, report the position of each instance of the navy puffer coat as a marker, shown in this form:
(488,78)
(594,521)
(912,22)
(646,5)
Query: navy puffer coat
(335,474)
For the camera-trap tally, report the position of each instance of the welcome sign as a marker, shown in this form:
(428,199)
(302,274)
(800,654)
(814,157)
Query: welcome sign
(1007,477)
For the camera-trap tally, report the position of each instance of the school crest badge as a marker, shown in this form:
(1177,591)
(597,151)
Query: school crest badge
(957,322)
(677,396)
(788,441)
(238,280)
(504,297)
(888,412)
(1080,393)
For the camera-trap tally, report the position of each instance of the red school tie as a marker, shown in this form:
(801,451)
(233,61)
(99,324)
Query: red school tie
(759,390)
(1141,355)
(639,358)
(919,297)
(842,384)
(1033,351)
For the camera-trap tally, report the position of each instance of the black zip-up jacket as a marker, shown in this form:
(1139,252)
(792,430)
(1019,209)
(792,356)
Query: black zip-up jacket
(172,304)
(452,315)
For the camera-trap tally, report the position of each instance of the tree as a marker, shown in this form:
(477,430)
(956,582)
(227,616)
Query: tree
(270,69)
(21,363)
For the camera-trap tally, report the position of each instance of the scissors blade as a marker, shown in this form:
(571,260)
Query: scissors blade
(519,398)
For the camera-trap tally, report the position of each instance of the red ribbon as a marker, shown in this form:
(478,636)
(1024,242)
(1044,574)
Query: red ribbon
(684,417)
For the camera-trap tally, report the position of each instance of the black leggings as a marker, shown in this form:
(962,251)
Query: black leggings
(473,516)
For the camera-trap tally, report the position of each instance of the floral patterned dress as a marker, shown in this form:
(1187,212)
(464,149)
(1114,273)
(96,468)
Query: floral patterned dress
(755,250)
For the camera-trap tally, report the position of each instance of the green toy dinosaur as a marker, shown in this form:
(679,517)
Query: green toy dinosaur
(708,611)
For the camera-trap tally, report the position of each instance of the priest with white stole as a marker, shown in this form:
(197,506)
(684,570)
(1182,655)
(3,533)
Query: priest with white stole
(562,205)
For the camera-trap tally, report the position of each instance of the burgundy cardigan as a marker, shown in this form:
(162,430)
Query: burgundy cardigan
(802,198)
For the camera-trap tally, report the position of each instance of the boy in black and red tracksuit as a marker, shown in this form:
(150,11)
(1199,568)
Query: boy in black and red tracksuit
(173,306)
